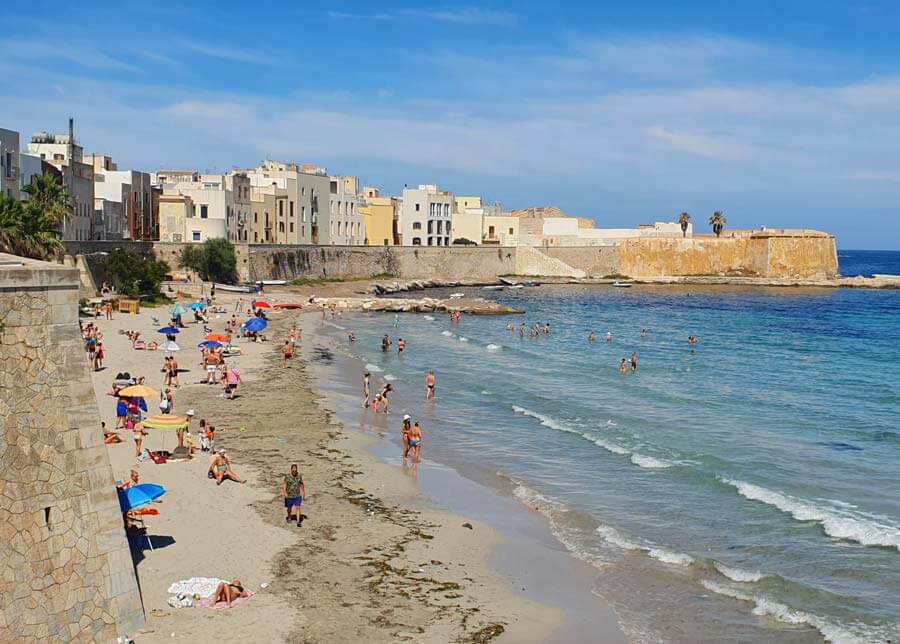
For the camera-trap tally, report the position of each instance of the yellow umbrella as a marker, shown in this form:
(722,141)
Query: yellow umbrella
(165,421)
(138,391)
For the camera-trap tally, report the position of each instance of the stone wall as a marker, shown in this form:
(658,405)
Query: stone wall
(66,572)
(359,262)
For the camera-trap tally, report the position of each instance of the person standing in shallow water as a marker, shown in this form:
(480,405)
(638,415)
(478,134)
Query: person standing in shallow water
(623,366)
(633,361)
(415,442)
(430,385)
(366,390)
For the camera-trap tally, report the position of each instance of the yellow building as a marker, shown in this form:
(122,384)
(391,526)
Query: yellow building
(174,211)
(378,217)
(467,225)
(461,204)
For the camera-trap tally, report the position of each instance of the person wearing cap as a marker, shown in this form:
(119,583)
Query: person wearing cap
(407,425)
(292,491)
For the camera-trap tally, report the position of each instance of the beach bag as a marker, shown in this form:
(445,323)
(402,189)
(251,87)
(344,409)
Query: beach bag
(164,405)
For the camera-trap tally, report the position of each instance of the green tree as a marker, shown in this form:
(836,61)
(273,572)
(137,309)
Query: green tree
(32,228)
(718,221)
(213,260)
(462,241)
(133,274)
(684,220)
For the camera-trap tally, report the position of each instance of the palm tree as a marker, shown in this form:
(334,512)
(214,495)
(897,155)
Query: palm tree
(32,228)
(718,221)
(684,221)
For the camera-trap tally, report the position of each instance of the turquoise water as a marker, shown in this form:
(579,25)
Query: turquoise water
(745,489)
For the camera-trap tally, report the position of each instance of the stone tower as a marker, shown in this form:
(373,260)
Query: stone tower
(66,572)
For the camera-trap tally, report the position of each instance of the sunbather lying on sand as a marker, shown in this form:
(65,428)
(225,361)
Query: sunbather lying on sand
(228,592)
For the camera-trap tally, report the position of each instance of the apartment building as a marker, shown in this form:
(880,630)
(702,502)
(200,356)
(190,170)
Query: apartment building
(10,169)
(346,224)
(63,152)
(238,219)
(379,218)
(306,191)
(214,204)
(124,205)
(425,216)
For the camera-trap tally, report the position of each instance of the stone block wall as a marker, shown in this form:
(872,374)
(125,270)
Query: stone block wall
(66,572)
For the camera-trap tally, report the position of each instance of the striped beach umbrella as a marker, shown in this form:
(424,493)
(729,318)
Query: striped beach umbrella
(165,421)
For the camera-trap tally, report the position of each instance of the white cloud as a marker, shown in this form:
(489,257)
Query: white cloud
(459,15)
(723,148)
(227,53)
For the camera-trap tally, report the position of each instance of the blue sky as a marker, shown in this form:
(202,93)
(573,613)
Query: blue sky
(784,114)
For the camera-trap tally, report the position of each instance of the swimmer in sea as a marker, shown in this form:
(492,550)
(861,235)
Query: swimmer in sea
(547,328)
(522,330)
(592,337)
(401,346)
(385,343)
(633,361)
(643,333)
(609,336)
(430,385)
(415,441)
(351,336)
(623,366)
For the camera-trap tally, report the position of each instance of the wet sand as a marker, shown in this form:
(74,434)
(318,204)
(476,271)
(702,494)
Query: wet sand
(374,560)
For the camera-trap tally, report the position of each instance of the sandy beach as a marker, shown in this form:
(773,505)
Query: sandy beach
(372,561)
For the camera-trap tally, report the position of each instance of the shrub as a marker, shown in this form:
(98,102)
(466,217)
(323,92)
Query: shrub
(133,274)
(462,241)
(214,260)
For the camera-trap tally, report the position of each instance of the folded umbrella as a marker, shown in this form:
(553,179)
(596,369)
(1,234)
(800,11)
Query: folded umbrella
(178,309)
(255,325)
(139,495)
(171,346)
(168,330)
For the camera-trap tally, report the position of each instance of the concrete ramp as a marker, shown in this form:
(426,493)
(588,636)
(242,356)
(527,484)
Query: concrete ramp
(534,263)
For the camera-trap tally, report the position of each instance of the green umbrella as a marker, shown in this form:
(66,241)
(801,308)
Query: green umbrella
(178,309)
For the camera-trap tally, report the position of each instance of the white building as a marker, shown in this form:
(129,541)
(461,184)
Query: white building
(425,216)
(212,202)
(123,201)
(62,151)
(346,226)
(10,167)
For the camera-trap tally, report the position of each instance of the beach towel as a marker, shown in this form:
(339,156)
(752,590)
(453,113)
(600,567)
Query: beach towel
(208,602)
(203,586)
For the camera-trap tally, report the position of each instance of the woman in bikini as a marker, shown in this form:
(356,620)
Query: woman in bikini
(415,441)
(228,592)
(405,430)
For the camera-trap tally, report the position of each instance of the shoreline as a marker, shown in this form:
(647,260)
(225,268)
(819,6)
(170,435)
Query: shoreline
(372,560)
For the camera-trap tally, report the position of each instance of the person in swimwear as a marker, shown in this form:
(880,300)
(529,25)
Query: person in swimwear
(623,366)
(287,352)
(401,346)
(609,336)
(633,361)
(415,442)
(388,388)
(366,391)
(385,343)
(405,428)
(592,337)
(430,385)
(228,592)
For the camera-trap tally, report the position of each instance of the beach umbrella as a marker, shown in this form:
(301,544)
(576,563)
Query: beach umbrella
(209,344)
(139,495)
(168,330)
(137,391)
(218,337)
(197,306)
(255,325)
(178,309)
(171,346)
(165,421)
(261,304)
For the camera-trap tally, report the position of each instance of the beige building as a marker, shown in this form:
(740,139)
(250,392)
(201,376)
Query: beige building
(500,230)
(215,203)
(174,212)
(63,152)
(307,189)
(124,207)
(379,218)
(10,169)
(345,227)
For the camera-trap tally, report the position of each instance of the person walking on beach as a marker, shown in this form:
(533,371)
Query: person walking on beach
(287,352)
(366,391)
(293,492)
(109,311)
(405,429)
(212,367)
(232,380)
(633,361)
(430,385)
(415,442)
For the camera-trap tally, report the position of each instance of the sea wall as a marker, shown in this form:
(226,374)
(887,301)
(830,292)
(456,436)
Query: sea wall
(66,572)
(478,263)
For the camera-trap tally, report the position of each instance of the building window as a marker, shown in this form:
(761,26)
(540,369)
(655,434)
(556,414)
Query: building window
(281,226)
(446,210)
(417,207)
(386,242)
(302,191)
(255,217)
(302,213)
(417,241)
(510,231)
(291,208)
(195,235)
(430,227)
(204,211)
(417,225)
(281,209)
(292,226)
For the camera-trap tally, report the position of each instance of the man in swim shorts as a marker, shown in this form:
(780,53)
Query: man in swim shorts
(293,491)
(430,385)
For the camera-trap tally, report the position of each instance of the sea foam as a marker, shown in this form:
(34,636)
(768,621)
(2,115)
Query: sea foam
(449,334)
(764,606)
(737,574)
(428,317)
(837,522)
(648,462)
(614,537)
(493,347)
(373,367)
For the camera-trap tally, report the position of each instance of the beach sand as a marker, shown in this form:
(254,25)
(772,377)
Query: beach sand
(371,562)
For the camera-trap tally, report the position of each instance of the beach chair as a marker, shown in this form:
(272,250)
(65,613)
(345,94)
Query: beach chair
(155,320)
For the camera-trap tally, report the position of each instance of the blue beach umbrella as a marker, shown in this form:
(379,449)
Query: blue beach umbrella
(178,309)
(209,344)
(138,495)
(168,330)
(197,306)
(255,325)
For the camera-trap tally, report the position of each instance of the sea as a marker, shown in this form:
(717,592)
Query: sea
(744,488)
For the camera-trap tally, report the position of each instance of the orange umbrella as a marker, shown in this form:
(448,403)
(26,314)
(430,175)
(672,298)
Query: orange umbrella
(262,304)
(288,306)
(165,421)
(137,391)
(218,337)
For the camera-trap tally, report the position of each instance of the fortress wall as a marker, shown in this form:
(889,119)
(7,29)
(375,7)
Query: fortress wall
(66,572)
